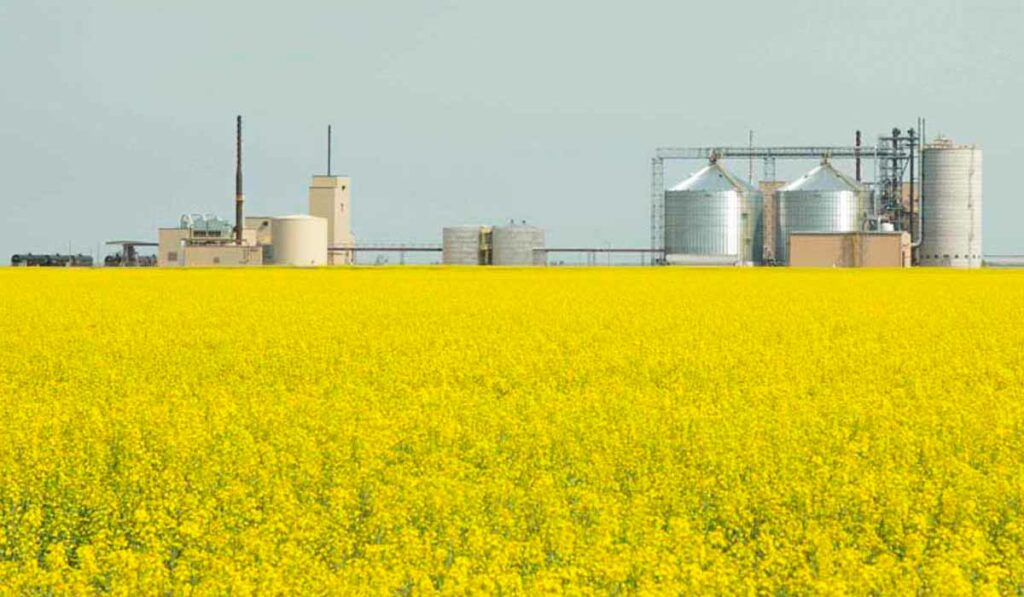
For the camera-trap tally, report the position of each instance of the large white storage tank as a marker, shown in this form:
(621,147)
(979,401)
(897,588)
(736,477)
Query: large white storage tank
(823,200)
(462,245)
(951,205)
(713,217)
(299,240)
(517,244)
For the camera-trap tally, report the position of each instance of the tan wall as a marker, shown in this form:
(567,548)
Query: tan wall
(169,253)
(222,256)
(850,250)
(768,189)
(260,227)
(889,250)
(173,246)
(330,198)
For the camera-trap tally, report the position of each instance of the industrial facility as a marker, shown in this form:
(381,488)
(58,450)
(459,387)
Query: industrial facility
(321,237)
(921,206)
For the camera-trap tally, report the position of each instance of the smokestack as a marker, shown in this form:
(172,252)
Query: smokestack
(857,145)
(328,150)
(239,197)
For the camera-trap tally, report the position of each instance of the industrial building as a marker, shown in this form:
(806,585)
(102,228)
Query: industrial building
(849,249)
(322,237)
(330,199)
(206,241)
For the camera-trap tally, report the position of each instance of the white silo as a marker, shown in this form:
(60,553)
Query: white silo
(951,205)
(518,244)
(713,217)
(299,240)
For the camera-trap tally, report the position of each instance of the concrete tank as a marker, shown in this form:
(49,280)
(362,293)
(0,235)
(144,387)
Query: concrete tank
(713,216)
(515,244)
(823,200)
(462,245)
(951,205)
(299,240)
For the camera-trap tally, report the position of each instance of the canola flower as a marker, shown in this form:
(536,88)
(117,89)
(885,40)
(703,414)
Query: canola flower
(511,431)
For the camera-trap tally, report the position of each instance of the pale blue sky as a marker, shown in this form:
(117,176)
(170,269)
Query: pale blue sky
(117,116)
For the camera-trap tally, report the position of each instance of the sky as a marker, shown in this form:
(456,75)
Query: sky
(117,116)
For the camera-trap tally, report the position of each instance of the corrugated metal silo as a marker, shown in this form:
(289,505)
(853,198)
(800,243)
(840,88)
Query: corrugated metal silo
(515,244)
(714,215)
(462,245)
(951,209)
(823,200)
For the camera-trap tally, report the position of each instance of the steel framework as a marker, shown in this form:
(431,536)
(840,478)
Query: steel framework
(768,155)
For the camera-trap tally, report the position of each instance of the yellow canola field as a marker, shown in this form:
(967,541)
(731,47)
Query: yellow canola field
(465,431)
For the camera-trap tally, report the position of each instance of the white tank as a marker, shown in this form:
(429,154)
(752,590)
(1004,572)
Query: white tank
(460,245)
(299,240)
(951,205)
(515,244)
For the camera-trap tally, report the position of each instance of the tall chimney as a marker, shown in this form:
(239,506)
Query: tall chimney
(857,145)
(328,150)
(239,197)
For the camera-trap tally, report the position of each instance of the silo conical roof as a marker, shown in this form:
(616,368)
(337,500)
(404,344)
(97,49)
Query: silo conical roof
(824,178)
(713,178)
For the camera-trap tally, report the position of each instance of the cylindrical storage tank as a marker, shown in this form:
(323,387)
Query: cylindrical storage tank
(951,205)
(516,244)
(460,245)
(714,215)
(299,240)
(823,200)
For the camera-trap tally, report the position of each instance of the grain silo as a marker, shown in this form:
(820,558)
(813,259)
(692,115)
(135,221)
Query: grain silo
(713,217)
(465,245)
(518,244)
(299,240)
(951,206)
(823,200)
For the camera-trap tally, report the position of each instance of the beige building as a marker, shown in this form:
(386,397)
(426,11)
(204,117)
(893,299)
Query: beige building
(222,255)
(330,198)
(207,241)
(849,249)
(178,247)
(171,241)
(260,225)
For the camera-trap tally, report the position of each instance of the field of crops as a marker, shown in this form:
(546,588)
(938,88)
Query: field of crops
(410,430)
